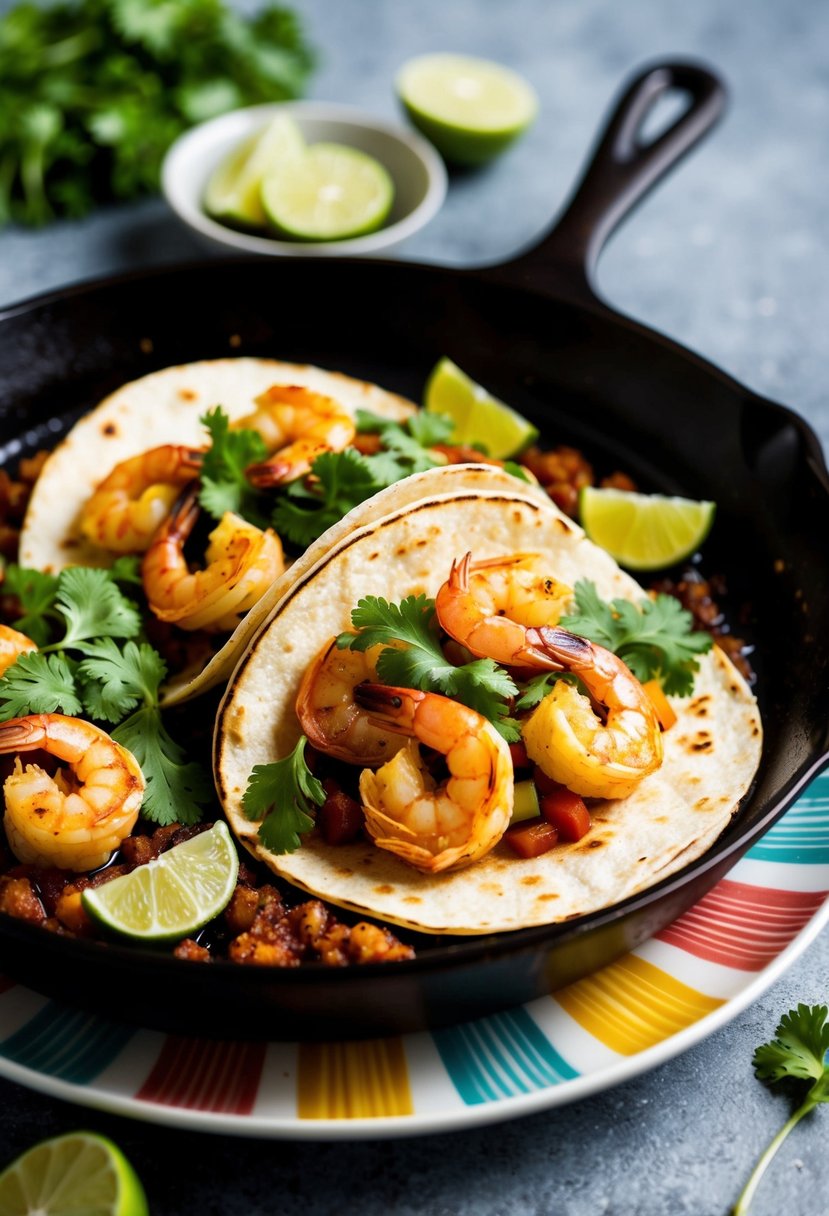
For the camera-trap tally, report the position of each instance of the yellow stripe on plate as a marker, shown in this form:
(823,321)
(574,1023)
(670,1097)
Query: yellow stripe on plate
(632,1005)
(367,1080)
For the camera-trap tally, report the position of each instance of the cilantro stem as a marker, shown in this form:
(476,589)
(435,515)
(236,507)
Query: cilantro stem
(747,1194)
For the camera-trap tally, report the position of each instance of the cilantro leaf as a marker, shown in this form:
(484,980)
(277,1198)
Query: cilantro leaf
(797,1053)
(481,684)
(339,481)
(283,794)
(36,592)
(536,689)
(655,638)
(224,483)
(126,569)
(39,683)
(176,790)
(427,428)
(113,680)
(93,607)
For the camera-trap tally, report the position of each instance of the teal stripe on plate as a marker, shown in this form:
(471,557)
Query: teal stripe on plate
(801,837)
(500,1057)
(66,1043)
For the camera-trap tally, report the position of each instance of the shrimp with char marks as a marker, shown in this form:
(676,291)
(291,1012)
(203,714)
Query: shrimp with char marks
(600,745)
(329,715)
(123,513)
(75,819)
(298,425)
(436,826)
(241,563)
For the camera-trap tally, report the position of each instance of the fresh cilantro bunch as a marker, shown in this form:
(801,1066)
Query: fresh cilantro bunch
(420,663)
(283,795)
(93,92)
(798,1053)
(90,664)
(655,638)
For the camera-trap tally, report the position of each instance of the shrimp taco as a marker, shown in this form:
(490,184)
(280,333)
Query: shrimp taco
(125,480)
(431,668)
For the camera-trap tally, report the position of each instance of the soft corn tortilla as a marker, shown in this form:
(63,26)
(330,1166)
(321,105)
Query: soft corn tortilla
(711,753)
(165,407)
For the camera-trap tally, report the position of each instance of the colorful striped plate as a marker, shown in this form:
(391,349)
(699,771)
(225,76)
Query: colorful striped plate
(643,1009)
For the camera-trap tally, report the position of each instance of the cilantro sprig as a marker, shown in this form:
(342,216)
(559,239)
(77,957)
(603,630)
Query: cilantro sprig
(420,663)
(798,1053)
(308,507)
(95,667)
(655,638)
(224,484)
(284,795)
(93,92)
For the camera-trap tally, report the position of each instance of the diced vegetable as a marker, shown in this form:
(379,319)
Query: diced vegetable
(664,710)
(531,840)
(525,805)
(520,759)
(340,818)
(567,813)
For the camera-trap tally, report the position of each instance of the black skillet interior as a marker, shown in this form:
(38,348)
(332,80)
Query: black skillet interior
(534,332)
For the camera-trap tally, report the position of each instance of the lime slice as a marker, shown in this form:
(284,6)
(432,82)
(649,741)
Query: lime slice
(471,109)
(333,193)
(174,895)
(233,191)
(68,1175)
(644,531)
(478,416)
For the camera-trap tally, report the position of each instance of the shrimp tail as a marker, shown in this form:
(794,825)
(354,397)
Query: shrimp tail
(392,708)
(22,734)
(560,647)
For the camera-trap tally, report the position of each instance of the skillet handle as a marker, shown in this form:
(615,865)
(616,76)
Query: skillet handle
(621,170)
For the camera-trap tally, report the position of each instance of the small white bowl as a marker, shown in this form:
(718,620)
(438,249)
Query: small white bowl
(417,170)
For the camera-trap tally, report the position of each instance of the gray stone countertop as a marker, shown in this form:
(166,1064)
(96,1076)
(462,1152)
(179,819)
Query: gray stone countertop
(731,257)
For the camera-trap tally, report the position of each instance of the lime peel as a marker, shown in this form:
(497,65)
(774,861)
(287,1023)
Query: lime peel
(478,416)
(645,531)
(173,895)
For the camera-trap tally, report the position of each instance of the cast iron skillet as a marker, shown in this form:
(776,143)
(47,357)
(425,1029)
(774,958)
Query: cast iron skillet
(535,333)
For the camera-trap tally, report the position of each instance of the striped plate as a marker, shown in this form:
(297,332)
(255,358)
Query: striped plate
(641,1010)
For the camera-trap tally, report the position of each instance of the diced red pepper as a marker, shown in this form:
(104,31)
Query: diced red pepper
(543,783)
(531,840)
(664,711)
(340,819)
(520,759)
(566,812)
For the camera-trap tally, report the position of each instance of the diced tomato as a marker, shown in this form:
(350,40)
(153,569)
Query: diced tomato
(531,840)
(340,819)
(664,712)
(543,783)
(520,759)
(566,812)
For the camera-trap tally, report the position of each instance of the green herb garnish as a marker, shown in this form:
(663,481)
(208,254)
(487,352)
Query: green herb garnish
(655,638)
(224,483)
(286,793)
(308,507)
(797,1053)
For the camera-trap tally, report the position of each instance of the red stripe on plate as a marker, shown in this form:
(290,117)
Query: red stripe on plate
(203,1075)
(742,926)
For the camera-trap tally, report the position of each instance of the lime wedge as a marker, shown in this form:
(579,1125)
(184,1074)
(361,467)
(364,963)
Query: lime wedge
(333,193)
(174,895)
(68,1175)
(644,531)
(471,109)
(233,191)
(478,416)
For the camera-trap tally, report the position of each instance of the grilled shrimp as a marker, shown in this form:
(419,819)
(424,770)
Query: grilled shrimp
(241,563)
(600,745)
(76,819)
(329,715)
(491,607)
(129,504)
(12,645)
(298,425)
(436,826)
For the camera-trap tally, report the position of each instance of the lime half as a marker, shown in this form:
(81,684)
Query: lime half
(478,416)
(644,531)
(77,1173)
(471,109)
(333,193)
(174,895)
(233,191)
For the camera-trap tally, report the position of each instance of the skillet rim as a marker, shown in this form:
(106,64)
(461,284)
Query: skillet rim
(473,948)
